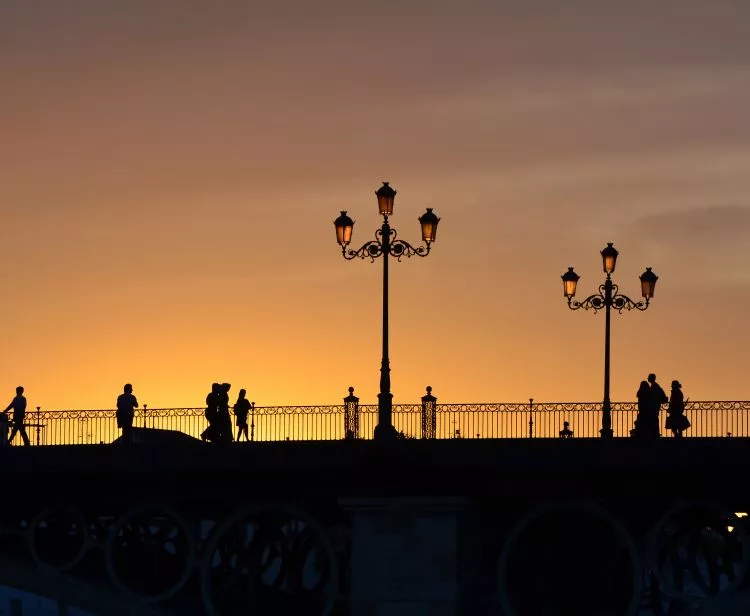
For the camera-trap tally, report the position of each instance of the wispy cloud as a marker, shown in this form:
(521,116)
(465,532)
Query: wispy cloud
(702,245)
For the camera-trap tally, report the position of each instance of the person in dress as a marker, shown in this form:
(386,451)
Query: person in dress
(676,420)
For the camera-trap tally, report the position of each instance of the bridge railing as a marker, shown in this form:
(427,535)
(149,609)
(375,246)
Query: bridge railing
(480,420)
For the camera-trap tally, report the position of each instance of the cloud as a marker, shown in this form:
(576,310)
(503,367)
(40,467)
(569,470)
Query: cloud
(703,245)
(709,223)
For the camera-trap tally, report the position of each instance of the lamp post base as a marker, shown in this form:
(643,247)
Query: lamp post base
(385,433)
(606,433)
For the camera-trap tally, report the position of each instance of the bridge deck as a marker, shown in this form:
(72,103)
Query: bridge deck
(188,470)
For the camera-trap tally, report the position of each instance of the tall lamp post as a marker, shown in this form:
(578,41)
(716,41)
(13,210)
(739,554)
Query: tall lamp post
(608,297)
(385,245)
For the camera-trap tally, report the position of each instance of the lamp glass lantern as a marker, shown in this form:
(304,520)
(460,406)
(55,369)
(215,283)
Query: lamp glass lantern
(570,281)
(386,196)
(648,283)
(609,258)
(429,222)
(344,227)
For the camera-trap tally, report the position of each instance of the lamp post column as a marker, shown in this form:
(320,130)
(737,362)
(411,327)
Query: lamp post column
(386,245)
(606,431)
(607,298)
(384,429)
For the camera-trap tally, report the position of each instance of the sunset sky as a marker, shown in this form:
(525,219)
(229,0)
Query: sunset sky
(170,172)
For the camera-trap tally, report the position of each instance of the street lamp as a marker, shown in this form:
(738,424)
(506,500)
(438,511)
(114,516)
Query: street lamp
(607,298)
(385,245)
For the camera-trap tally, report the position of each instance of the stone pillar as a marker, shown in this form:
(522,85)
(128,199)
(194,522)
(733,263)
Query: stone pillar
(404,556)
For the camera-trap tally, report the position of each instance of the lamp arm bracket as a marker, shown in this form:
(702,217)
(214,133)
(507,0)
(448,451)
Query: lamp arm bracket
(401,248)
(370,250)
(598,301)
(623,302)
(593,302)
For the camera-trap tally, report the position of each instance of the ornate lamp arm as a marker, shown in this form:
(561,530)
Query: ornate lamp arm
(623,302)
(599,300)
(401,248)
(371,250)
(595,302)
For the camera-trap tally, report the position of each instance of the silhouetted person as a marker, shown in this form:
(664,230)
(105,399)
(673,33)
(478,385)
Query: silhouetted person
(241,409)
(223,421)
(126,405)
(647,420)
(657,398)
(566,432)
(676,420)
(212,414)
(18,404)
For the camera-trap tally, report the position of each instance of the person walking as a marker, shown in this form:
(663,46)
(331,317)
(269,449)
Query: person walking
(18,404)
(126,405)
(241,409)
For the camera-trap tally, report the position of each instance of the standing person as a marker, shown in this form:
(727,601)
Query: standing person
(676,420)
(642,423)
(211,413)
(126,405)
(224,422)
(649,407)
(656,399)
(18,404)
(241,409)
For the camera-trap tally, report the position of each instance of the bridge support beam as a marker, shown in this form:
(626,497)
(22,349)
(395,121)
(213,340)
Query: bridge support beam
(404,556)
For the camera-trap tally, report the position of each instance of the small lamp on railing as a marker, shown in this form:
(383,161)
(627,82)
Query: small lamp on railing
(429,222)
(386,196)
(648,283)
(609,258)
(344,228)
(570,281)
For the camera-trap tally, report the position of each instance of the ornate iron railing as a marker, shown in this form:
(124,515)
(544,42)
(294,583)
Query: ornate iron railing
(480,420)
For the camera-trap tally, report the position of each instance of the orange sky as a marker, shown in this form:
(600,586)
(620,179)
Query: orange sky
(169,174)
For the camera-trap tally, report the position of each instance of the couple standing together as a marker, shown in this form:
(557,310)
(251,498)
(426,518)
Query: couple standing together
(217,413)
(650,398)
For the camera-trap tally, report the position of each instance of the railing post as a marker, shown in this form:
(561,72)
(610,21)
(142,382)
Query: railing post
(252,421)
(38,428)
(351,415)
(531,418)
(145,409)
(4,427)
(429,418)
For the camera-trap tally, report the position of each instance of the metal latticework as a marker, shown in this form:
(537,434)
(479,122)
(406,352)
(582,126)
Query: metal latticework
(351,415)
(714,419)
(429,415)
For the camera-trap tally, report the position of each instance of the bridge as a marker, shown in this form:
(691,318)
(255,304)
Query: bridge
(516,526)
